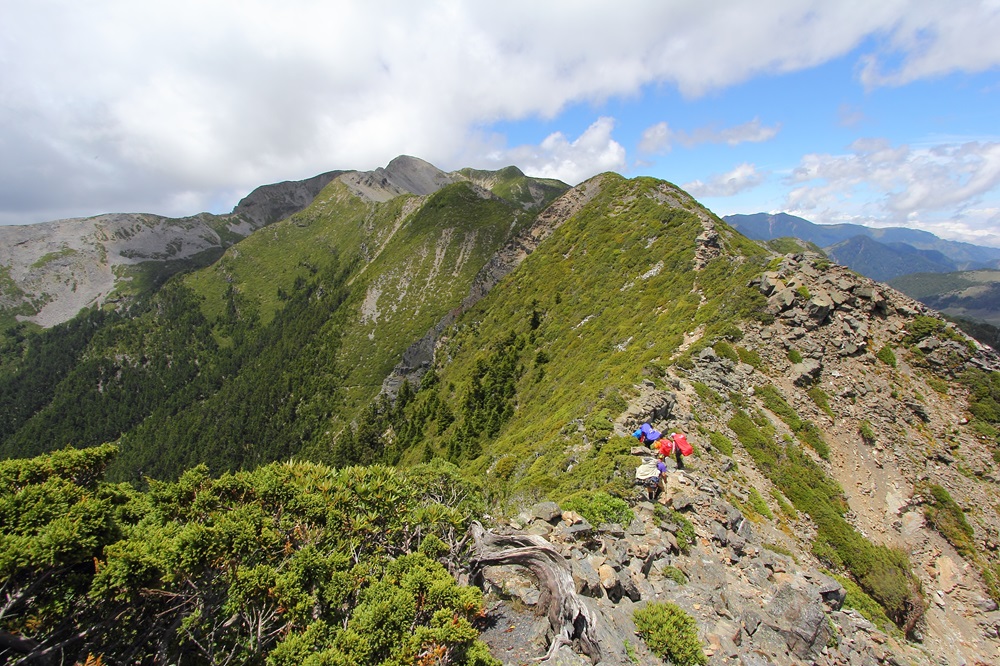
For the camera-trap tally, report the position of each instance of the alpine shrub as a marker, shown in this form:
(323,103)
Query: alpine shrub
(886,355)
(720,443)
(599,507)
(670,633)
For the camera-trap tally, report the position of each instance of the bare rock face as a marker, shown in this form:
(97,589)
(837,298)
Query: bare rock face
(56,269)
(270,203)
(416,176)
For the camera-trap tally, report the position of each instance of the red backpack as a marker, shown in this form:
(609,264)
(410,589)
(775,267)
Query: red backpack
(681,442)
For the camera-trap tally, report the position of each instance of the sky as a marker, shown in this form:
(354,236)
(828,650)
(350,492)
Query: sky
(878,113)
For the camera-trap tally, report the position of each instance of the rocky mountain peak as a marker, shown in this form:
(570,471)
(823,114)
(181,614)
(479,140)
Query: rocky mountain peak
(415,175)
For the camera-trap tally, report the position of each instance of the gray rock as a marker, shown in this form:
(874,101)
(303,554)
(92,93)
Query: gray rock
(539,528)
(819,307)
(547,511)
(586,578)
(719,534)
(736,542)
(611,529)
(781,300)
(832,592)
(799,618)
(682,501)
(751,621)
(806,372)
(628,586)
(636,528)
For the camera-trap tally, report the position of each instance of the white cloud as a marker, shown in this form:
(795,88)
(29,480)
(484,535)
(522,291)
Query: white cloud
(110,105)
(742,178)
(594,152)
(936,38)
(658,138)
(938,188)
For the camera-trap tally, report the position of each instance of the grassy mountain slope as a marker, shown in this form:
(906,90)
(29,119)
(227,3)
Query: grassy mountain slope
(51,270)
(607,299)
(274,348)
(854,429)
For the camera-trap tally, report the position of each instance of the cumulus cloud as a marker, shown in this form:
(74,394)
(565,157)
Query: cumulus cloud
(593,152)
(656,139)
(742,178)
(936,38)
(940,188)
(659,138)
(110,105)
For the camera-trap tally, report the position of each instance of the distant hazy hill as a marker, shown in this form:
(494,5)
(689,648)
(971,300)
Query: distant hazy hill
(52,270)
(881,254)
(969,294)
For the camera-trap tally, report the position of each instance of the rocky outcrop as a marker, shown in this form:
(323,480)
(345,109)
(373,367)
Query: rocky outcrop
(752,604)
(270,203)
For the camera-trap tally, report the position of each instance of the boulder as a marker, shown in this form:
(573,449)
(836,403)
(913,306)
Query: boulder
(586,578)
(547,511)
(806,372)
(800,620)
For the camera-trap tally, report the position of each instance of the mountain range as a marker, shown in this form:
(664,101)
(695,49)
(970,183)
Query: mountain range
(879,253)
(243,443)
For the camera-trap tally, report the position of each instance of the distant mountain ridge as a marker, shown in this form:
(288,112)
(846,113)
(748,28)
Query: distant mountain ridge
(50,271)
(881,254)
(967,294)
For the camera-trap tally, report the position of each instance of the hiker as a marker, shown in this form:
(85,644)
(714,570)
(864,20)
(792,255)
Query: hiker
(651,475)
(676,443)
(645,434)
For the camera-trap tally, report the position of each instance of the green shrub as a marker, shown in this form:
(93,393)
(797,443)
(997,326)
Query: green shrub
(864,604)
(783,504)
(810,435)
(822,400)
(670,633)
(938,384)
(867,432)
(725,350)
(948,518)
(675,574)
(794,356)
(599,507)
(707,395)
(882,572)
(984,402)
(685,533)
(806,431)
(780,550)
(759,505)
(886,355)
(922,326)
(750,357)
(720,442)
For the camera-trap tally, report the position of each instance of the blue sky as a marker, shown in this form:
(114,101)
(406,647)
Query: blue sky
(884,114)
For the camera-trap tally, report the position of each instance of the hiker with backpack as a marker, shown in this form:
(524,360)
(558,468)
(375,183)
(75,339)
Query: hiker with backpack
(677,444)
(646,435)
(651,475)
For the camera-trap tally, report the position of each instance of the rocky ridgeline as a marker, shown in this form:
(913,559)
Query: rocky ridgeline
(753,605)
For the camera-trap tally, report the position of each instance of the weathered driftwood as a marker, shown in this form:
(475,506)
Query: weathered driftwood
(568,615)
